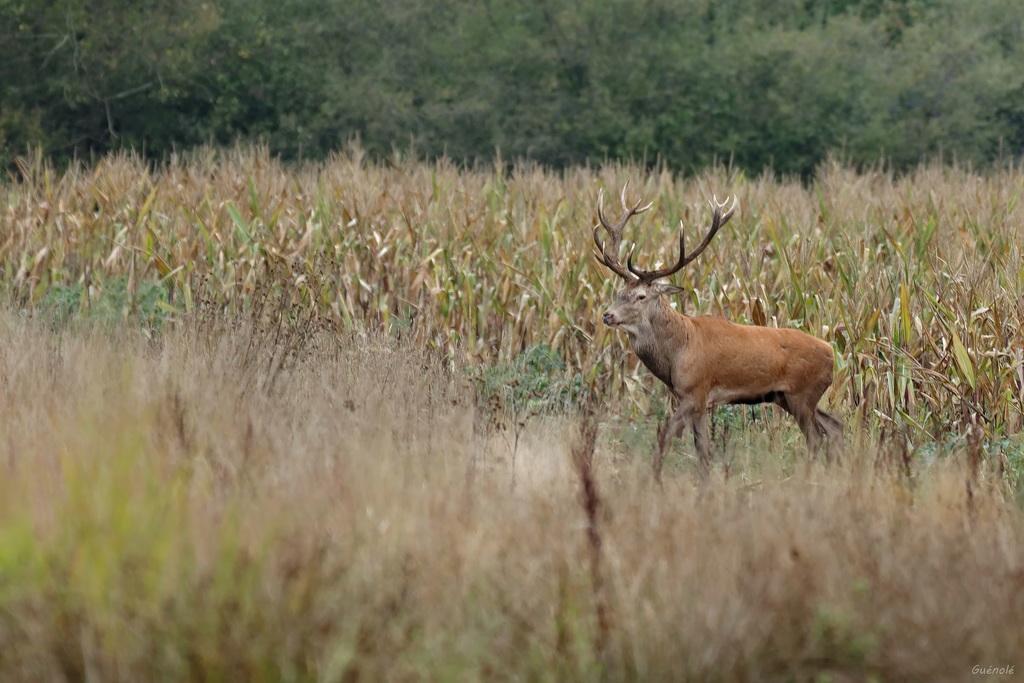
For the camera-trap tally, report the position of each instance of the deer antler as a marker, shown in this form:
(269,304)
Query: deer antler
(610,257)
(718,219)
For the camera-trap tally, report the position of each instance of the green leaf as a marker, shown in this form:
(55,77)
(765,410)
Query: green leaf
(905,313)
(240,224)
(963,360)
(147,206)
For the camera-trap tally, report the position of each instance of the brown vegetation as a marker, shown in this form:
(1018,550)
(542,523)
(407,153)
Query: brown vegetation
(916,281)
(243,432)
(168,512)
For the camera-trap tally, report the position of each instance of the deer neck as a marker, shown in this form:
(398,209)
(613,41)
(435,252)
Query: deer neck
(658,339)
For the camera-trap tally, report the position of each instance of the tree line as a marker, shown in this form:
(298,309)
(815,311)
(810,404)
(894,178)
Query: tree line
(777,84)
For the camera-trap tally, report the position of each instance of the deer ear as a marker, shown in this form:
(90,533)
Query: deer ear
(662,288)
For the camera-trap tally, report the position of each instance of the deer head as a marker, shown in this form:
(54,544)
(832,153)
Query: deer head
(640,298)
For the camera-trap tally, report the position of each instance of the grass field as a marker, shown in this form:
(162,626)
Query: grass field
(356,421)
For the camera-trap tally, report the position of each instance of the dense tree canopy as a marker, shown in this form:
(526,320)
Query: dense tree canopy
(764,83)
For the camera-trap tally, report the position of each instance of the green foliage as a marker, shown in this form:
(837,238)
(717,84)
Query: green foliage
(1010,450)
(536,382)
(757,82)
(843,643)
(82,76)
(113,303)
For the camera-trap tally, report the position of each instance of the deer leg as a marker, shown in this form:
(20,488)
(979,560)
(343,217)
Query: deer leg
(673,426)
(812,434)
(804,410)
(702,441)
(663,430)
(833,430)
(663,433)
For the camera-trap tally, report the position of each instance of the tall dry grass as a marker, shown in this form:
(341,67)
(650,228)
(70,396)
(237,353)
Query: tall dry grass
(249,429)
(195,505)
(918,280)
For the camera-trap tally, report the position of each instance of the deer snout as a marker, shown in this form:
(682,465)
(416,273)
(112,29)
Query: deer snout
(608,318)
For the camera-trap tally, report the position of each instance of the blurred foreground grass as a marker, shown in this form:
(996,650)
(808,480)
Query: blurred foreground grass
(223,501)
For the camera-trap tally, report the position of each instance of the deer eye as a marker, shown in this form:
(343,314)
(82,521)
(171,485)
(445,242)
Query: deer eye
(641,297)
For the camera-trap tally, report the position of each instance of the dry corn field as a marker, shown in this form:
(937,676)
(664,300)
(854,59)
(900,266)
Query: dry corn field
(360,421)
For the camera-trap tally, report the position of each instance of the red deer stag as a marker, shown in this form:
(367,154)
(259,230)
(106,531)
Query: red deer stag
(707,361)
